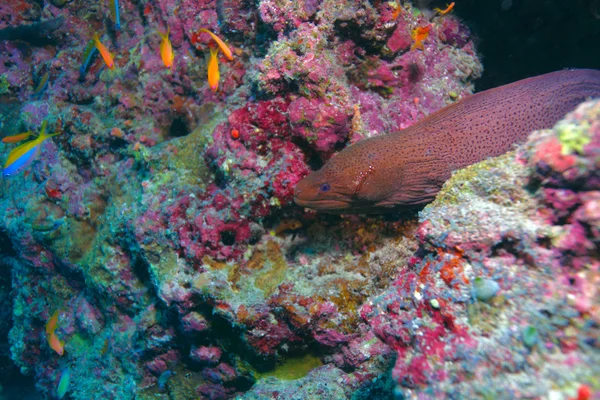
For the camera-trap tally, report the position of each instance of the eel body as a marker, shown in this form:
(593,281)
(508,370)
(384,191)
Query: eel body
(407,168)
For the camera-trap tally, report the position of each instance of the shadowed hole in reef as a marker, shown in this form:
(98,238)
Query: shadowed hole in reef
(313,158)
(6,247)
(224,335)
(178,128)
(13,384)
(228,238)
(142,272)
(118,143)
(506,246)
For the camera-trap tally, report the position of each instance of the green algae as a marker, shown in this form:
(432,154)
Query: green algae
(185,166)
(78,345)
(472,179)
(486,316)
(292,368)
(530,336)
(165,267)
(573,137)
(269,280)
(4,85)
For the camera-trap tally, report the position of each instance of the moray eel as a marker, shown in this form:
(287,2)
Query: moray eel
(406,169)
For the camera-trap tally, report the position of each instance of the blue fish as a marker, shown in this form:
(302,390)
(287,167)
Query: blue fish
(114,6)
(63,384)
(23,155)
(88,55)
(164,378)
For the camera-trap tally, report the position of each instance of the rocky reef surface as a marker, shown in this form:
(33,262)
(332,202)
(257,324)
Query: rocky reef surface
(160,223)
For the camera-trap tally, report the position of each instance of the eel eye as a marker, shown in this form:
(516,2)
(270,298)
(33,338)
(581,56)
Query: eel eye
(325,187)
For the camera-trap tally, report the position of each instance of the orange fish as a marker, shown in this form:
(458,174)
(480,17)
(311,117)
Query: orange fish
(17,138)
(166,50)
(396,12)
(56,344)
(419,34)
(106,56)
(52,322)
(448,8)
(221,44)
(213,70)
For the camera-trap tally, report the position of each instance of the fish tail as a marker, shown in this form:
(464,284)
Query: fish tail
(43,129)
(165,36)
(43,135)
(88,54)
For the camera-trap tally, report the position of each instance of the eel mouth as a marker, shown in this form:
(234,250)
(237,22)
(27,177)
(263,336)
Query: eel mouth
(322,205)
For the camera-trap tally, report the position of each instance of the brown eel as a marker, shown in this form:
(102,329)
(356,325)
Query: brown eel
(407,168)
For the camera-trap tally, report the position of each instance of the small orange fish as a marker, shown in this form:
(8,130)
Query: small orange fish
(56,344)
(106,56)
(235,134)
(17,138)
(419,34)
(445,11)
(396,13)
(166,50)
(226,51)
(52,322)
(213,70)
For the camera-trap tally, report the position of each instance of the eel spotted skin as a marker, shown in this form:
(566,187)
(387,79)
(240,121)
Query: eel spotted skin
(406,169)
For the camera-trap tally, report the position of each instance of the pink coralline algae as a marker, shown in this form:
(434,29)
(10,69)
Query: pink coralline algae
(536,247)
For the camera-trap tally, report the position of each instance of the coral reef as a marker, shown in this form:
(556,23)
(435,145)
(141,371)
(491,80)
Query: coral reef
(160,224)
(505,279)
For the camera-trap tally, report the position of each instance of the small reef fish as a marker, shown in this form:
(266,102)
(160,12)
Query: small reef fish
(52,323)
(407,168)
(419,34)
(23,155)
(88,55)
(166,50)
(445,11)
(53,341)
(42,84)
(116,15)
(63,383)
(106,56)
(17,138)
(163,379)
(397,11)
(56,344)
(213,70)
(47,228)
(226,51)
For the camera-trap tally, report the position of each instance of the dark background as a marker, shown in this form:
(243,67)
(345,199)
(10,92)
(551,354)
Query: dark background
(517,39)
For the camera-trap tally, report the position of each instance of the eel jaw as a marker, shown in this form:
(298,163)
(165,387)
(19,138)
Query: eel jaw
(322,205)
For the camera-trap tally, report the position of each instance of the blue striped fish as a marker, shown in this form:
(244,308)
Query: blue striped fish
(23,155)
(114,7)
(88,55)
